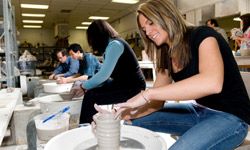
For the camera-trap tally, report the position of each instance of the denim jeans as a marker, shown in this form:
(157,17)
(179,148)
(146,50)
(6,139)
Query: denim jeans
(199,128)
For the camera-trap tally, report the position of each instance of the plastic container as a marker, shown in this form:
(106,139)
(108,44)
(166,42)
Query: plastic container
(51,128)
(57,88)
(52,103)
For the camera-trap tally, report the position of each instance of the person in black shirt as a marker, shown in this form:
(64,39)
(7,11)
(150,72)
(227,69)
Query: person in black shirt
(120,76)
(203,69)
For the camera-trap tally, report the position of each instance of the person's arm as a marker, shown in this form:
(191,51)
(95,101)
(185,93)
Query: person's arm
(208,81)
(113,52)
(58,76)
(73,68)
(72,79)
(58,70)
(51,77)
(162,79)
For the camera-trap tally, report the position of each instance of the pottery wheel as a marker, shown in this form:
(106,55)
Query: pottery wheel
(132,138)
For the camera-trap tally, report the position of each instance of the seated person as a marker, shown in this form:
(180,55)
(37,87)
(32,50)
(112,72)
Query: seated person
(242,35)
(89,64)
(67,67)
(120,76)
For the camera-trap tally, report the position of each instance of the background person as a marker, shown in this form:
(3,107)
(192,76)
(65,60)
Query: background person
(214,24)
(242,38)
(203,68)
(67,67)
(120,71)
(89,64)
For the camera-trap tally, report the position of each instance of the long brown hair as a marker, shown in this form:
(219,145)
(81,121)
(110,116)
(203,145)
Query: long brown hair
(98,34)
(165,14)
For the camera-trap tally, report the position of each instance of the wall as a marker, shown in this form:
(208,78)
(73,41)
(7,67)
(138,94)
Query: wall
(126,25)
(190,5)
(46,36)
(226,8)
(79,36)
(35,36)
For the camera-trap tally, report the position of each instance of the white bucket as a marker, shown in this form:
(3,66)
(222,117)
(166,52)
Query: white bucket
(53,103)
(51,128)
(57,88)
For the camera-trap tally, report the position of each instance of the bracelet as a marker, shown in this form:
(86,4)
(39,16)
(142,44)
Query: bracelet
(147,100)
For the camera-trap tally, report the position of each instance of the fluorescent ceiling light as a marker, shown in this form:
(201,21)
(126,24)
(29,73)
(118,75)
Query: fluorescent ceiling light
(81,27)
(125,1)
(86,23)
(32,26)
(34,6)
(32,15)
(98,17)
(32,21)
(237,19)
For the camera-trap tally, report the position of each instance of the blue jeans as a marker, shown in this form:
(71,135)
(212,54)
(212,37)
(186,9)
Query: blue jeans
(199,128)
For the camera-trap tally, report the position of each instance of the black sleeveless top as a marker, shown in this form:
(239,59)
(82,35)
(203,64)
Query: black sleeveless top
(127,72)
(233,97)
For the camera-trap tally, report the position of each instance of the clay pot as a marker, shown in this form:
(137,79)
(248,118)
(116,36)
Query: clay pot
(107,131)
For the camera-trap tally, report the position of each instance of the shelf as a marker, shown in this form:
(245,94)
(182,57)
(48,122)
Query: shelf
(8,41)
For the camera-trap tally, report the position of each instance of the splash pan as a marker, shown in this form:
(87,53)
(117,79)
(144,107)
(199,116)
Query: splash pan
(132,138)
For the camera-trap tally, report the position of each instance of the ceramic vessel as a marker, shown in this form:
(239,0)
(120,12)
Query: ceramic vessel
(107,131)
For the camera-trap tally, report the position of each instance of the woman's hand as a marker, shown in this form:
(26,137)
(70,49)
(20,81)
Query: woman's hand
(133,103)
(77,90)
(99,111)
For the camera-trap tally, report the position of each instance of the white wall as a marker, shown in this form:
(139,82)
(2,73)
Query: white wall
(46,36)
(190,5)
(79,36)
(35,36)
(226,8)
(126,25)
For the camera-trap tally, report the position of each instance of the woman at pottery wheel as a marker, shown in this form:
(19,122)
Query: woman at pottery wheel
(120,76)
(202,66)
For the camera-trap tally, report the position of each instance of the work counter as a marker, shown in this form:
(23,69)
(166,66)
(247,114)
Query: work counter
(8,103)
(243,61)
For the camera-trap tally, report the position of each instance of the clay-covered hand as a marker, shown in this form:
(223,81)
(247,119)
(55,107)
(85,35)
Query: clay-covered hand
(77,90)
(61,80)
(56,77)
(99,111)
(133,103)
(51,77)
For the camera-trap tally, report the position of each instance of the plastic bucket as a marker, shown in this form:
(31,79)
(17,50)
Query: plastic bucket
(55,102)
(51,128)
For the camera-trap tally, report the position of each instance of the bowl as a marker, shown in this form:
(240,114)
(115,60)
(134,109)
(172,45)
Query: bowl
(57,88)
(52,127)
(43,81)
